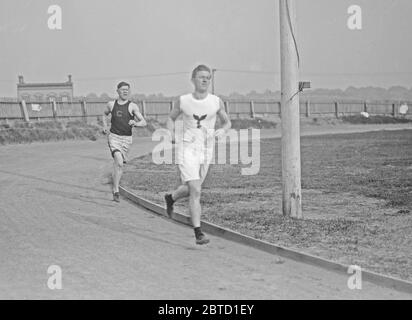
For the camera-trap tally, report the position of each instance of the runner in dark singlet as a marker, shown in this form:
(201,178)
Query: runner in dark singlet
(124,116)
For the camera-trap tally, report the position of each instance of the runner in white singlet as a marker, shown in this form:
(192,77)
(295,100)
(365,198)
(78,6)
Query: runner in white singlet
(195,147)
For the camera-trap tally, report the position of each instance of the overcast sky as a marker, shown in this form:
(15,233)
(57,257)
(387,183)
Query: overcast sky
(103,41)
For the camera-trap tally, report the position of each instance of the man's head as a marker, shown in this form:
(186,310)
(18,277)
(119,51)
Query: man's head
(201,77)
(123,90)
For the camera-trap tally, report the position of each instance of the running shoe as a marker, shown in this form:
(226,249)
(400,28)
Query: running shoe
(202,239)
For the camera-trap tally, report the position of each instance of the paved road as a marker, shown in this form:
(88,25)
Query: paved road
(56,209)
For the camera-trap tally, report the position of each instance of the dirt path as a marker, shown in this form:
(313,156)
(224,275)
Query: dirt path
(56,209)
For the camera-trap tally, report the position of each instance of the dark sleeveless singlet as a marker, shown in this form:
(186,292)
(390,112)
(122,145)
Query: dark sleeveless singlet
(120,119)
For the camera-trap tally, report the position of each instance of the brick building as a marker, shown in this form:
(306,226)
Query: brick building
(42,92)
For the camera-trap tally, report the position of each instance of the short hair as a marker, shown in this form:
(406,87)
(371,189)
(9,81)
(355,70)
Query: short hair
(121,84)
(200,67)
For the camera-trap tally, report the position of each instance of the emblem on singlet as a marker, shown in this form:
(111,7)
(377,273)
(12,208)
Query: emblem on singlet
(198,119)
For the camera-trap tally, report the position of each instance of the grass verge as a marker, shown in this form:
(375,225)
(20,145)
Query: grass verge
(359,119)
(21,132)
(356,191)
(48,131)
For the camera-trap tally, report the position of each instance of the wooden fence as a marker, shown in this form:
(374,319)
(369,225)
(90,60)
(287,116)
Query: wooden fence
(159,109)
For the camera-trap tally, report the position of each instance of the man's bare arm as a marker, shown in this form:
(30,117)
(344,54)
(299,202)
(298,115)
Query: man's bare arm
(107,111)
(139,120)
(226,123)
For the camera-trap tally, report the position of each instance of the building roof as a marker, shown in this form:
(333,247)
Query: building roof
(21,84)
(45,85)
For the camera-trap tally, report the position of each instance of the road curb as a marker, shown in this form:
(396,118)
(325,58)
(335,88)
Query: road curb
(378,279)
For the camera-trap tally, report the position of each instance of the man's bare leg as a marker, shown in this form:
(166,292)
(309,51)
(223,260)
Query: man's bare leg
(117,174)
(194,202)
(181,192)
(195,209)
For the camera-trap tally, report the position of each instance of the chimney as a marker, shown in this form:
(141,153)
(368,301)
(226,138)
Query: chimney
(21,80)
(70,78)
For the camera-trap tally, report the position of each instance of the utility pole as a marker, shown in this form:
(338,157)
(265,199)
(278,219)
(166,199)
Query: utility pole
(213,81)
(291,170)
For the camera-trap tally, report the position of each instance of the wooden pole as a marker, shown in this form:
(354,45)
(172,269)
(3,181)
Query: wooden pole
(252,109)
(280,109)
(307,109)
(226,103)
(291,181)
(143,108)
(84,110)
(54,108)
(336,110)
(213,81)
(24,111)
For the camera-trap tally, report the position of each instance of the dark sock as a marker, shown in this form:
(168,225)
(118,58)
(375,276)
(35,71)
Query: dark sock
(170,197)
(198,232)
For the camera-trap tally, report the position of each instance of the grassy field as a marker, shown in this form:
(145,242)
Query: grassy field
(356,193)
(377,119)
(21,132)
(50,130)
(47,131)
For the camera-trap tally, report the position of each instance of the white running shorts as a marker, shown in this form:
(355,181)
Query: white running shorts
(193,160)
(119,143)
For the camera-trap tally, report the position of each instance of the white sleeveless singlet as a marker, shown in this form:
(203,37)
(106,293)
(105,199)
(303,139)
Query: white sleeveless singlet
(199,117)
